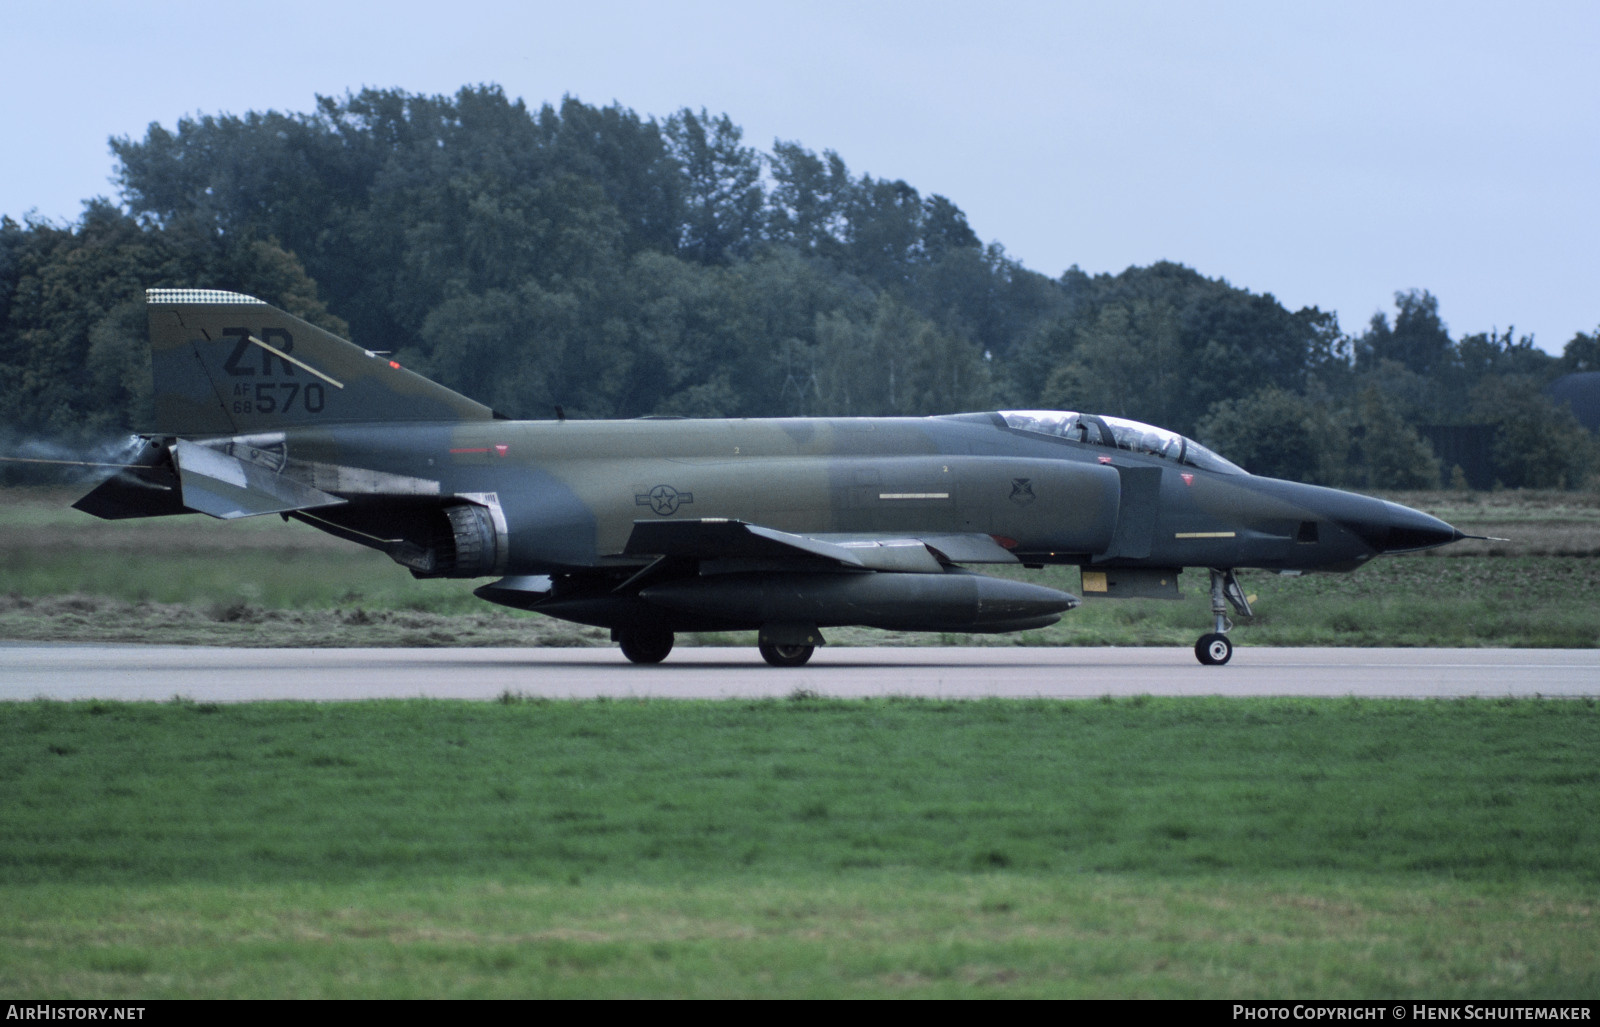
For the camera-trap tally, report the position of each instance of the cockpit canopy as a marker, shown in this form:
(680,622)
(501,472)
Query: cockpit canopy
(1119,433)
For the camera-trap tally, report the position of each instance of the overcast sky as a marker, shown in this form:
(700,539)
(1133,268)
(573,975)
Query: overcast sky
(1329,153)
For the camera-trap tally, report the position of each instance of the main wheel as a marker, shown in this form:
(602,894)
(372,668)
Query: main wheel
(1213,650)
(645,645)
(786,655)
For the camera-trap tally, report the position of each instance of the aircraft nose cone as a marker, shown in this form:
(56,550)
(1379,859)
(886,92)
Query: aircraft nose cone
(1392,528)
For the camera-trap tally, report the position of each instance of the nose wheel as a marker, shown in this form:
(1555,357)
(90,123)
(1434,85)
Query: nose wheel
(1214,649)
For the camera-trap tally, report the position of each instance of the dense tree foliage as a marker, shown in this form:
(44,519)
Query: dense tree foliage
(620,266)
(73,353)
(1582,354)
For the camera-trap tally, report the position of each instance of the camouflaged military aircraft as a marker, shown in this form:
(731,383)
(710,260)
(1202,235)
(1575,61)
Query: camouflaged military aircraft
(658,525)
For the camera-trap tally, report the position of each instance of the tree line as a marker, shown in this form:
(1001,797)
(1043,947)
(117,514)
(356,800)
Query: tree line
(619,265)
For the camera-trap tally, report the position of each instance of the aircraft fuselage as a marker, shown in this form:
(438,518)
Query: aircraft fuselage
(571,492)
(660,525)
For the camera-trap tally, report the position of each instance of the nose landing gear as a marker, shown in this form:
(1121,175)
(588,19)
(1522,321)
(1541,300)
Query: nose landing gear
(1214,649)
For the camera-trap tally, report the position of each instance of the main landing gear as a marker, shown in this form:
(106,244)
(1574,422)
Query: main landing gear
(786,655)
(650,644)
(644,644)
(1214,649)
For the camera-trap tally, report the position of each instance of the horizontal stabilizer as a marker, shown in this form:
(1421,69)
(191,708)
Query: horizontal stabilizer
(144,487)
(226,487)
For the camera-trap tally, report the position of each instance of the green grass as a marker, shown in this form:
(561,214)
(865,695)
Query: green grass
(664,789)
(67,576)
(1178,847)
(1418,600)
(1405,601)
(286,580)
(866,935)
(49,549)
(885,848)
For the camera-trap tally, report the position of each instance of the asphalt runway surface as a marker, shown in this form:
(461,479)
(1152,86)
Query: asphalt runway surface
(207,674)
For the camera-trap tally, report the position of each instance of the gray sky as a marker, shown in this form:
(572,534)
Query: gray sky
(1330,154)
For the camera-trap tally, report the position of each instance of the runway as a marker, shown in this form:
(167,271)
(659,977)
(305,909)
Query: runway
(205,674)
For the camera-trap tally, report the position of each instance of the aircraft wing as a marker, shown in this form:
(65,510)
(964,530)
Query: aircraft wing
(724,538)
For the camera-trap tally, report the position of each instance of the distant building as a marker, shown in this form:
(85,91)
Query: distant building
(1581,392)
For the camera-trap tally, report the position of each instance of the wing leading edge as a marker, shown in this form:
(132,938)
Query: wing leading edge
(715,538)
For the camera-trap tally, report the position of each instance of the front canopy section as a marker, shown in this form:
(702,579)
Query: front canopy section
(1119,433)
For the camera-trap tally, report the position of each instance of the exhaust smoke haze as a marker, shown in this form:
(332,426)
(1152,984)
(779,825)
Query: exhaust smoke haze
(36,461)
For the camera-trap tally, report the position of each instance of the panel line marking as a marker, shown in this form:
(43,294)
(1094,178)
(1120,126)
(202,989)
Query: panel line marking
(275,351)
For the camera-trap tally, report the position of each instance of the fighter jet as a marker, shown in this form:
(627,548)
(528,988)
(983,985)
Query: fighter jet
(655,526)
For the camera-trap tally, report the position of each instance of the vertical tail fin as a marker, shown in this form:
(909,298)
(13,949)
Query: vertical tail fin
(228,364)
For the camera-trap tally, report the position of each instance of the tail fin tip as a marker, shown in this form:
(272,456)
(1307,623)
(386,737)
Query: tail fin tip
(200,297)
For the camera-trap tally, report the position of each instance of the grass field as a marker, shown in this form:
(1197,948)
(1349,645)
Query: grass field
(805,847)
(801,847)
(67,576)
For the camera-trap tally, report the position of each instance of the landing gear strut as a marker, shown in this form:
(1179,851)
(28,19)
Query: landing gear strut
(1214,649)
(644,644)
